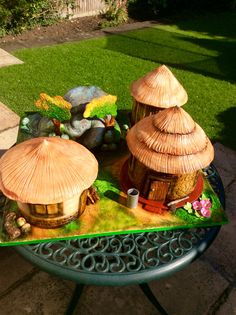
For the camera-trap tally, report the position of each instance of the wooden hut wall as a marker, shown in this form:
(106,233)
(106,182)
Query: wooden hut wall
(67,207)
(179,185)
(54,215)
(140,110)
(83,201)
(137,172)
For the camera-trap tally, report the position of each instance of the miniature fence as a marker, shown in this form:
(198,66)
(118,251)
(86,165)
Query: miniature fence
(85,8)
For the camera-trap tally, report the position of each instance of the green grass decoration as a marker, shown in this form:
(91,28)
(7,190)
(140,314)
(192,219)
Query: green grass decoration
(72,226)
(190,216)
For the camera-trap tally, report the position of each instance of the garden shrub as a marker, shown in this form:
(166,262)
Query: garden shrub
(116,13)
(152,8)
(17,15)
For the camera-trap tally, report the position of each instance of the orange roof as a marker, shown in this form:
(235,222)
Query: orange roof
(159,88)
(170,142)
(46,170)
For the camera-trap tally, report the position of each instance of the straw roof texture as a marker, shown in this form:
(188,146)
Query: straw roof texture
(159,88)
(170,142)
(46,170)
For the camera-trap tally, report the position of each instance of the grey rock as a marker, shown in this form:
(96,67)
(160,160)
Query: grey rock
(32,124)
(81,95)
(45,126)
(109,137)
(77,127)
(78,122)
(94,136)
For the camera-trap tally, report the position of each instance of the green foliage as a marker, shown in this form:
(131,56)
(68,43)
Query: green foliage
(53,107)
(18,15)
(153,8)
(101,112)
(57,113)
(208,194)
(116,13)
(101,107)
(117,132)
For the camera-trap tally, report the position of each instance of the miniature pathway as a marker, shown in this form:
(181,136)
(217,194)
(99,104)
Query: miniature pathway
(7,59)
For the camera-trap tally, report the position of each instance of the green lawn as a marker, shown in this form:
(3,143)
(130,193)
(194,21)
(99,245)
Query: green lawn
(200,52)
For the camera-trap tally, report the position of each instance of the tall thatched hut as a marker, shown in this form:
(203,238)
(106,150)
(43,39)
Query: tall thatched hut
(49,178)
(167,151)
(159,89)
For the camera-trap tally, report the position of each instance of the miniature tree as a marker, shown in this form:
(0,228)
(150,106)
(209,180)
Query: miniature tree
(102,107)
(55,108)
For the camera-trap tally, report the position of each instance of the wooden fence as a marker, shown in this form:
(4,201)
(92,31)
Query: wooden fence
(86,8)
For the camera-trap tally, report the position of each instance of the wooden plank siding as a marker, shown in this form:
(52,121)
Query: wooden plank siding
(140,111)
(85,8)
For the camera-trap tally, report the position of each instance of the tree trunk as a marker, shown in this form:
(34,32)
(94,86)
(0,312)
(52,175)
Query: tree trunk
(57,125)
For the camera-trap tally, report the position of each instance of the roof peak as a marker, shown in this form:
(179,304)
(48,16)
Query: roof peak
(159,88)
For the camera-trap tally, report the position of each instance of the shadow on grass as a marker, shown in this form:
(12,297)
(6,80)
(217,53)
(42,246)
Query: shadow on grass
(214,57)
(212,24)
(228,133)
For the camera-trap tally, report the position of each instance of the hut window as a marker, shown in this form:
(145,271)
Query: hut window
(47,210)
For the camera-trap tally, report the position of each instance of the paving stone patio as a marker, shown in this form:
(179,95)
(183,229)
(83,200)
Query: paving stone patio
(7,59)
(9,125)
(206,287)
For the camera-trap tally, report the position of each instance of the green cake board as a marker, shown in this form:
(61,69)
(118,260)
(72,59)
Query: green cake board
(110,214)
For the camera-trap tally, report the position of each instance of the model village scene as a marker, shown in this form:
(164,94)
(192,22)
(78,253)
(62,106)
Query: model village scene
(81,168)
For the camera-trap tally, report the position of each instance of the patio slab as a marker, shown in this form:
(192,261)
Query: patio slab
(229,307)
(7,59)
(15,268)
(9,125)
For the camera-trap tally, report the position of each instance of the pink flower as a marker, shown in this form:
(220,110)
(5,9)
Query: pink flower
(205,203)
(196,205)
(205,212)
(203,206)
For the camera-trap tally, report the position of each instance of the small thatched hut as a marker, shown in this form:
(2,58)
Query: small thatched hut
(49,178)
(159,89)
(168,150)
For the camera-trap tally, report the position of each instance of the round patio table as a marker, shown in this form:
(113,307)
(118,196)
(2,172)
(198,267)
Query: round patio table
(125,259)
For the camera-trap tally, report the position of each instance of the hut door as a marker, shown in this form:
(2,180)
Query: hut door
(158,190)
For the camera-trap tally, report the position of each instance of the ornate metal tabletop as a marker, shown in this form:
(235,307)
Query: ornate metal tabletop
(125,259)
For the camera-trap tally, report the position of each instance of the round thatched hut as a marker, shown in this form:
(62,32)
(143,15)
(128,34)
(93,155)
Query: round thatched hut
(49,178)
(159,89)
(168,150)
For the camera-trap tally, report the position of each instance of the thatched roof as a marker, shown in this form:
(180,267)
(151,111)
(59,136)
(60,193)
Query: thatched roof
(159,88)
(170,142)
(46,170)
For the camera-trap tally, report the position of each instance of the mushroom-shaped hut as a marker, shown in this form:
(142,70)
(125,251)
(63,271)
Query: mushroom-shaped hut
(159,89)
(168,150)
(49,178)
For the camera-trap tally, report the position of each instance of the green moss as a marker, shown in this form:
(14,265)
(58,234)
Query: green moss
(217,214)
(72,226)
